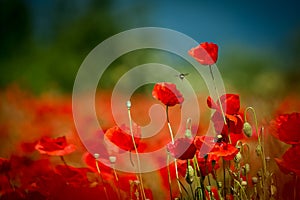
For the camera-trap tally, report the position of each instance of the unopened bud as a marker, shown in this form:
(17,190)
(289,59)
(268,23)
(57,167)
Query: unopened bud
(112,159)
(238,157)
(189,177)
(247,129)
(128,104)
(96,155)
(188,133)
(247,168)
(254,180)
(244,183)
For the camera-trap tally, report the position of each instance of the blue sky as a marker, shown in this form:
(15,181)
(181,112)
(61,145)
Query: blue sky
(255,24)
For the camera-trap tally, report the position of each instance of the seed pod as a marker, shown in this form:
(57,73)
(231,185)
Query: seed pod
(247,129)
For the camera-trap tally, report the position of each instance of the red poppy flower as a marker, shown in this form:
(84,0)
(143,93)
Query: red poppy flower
(204,144)
(183,148)
(167,93)
(290,160)
(208,163)
(54,146)
(234,126)
(205,53)
(234,121)
(287,128)
(224,150)
(230,103)
(121,137)
(75,177)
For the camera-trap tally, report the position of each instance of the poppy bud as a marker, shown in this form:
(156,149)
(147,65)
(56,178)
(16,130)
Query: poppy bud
(128,104)
(254,180)
(244,183)
(112,159)
(96,155)
(247,129)
(189,177)
(258,150)
(188,133)
(238,157)
(246,169)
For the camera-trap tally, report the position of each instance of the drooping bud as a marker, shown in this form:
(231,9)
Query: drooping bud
(188,133)
(246,169)
(247,129)
(238,157)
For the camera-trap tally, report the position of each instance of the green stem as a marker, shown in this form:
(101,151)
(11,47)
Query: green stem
(218,96)
(101,178)
(172,139)
(196,166)
(260,143)
(136,151)
(224,177)
(169,175)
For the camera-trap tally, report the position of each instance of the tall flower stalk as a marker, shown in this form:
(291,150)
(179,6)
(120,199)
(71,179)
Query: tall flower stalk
(259,148)
(128,104)
(96,156)
(172,140)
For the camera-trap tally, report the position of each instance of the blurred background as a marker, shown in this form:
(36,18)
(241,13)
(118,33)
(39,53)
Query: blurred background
(43,43)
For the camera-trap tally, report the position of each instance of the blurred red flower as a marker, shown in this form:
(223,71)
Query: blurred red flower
(183,148)
(167,93)
(290,161)
(4,165)
(205,53)
(234,121)
(287,128)
(214,194)
(224,150)
(121,137)
(54,146)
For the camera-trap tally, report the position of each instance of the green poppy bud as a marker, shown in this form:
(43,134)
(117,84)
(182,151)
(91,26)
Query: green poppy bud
(189,177)
(247,129)
(188,133)
(238,157)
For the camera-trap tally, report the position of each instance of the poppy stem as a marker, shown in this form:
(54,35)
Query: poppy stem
(196,166)
(101,178)
(224,176)
(117,180)
(135,149)
(172,139)
(260,147)
(169,175)
(218,96)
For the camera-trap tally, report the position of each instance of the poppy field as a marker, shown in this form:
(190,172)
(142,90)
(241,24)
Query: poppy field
(239,156)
